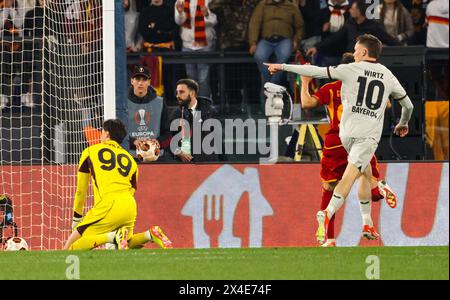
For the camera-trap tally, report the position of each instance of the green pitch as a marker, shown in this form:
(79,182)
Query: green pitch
(232,264)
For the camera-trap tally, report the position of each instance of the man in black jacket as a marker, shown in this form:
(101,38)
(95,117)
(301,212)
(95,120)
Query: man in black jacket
(358,24)
(160,33)
(186,144)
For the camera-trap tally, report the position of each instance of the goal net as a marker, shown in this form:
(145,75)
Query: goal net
(51,100)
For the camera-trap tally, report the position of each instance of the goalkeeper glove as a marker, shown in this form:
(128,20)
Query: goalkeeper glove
(75,222)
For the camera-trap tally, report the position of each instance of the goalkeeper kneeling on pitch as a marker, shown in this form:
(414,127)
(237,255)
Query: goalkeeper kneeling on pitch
(114,175)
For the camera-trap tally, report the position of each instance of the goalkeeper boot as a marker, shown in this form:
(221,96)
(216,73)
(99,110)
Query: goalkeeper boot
(121,238)
(329,243)
(370,233)
(159,238)
(388,193)
(323,221)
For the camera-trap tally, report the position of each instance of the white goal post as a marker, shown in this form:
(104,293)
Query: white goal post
(57,86)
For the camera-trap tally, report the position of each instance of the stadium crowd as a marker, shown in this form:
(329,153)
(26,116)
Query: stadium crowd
(320,31)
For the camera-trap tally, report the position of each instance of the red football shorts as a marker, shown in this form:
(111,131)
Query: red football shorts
(334,162)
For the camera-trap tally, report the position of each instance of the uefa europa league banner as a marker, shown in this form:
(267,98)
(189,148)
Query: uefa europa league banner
(203,206)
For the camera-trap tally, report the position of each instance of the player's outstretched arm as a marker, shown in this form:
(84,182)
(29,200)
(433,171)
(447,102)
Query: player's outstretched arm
(305,70)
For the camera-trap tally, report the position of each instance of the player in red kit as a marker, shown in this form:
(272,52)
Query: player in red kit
(334,160)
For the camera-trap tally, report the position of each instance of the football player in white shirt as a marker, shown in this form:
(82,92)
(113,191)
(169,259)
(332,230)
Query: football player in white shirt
(366,87)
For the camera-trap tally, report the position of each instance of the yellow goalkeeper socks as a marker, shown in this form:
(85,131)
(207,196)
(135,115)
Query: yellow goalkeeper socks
(92,241)
(138,240)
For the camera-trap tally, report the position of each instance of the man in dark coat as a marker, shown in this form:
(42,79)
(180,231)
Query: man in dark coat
(192,112)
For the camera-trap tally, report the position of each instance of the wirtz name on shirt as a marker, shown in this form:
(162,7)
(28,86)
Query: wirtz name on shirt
(373,74)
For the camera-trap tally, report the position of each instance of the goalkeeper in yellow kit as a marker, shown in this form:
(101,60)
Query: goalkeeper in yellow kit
(114,175)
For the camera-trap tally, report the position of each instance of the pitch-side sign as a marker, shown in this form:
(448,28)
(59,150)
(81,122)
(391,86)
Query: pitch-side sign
(206,206)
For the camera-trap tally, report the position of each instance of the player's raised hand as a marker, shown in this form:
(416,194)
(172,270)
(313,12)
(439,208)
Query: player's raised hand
(401,130)
(311,51)
(139,143)
(154,141)
(273,68)
(205,11)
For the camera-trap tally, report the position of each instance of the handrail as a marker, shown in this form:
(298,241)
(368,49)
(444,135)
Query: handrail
(390,53)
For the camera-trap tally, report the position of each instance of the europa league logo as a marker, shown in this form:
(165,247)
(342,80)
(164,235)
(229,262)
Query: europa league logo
(142,117)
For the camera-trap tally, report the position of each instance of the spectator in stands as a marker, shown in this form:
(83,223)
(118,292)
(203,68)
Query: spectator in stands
(357,25)
(233,18)
(419,22)
(396,20)
(276,27)
(314,17)
(147,113)
(437,112)
(336,14)
(12,14)
(33,33)
(158,29)
(438,37)
(192,108)
(91,39)
(198,35)
(132,39)
(157,25)
(34,21)
(437,17)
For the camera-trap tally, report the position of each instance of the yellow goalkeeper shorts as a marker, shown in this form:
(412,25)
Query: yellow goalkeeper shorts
(109,214)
